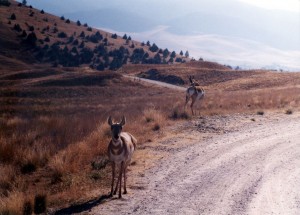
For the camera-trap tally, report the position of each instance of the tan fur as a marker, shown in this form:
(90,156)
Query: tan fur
(195,92)
(120,151)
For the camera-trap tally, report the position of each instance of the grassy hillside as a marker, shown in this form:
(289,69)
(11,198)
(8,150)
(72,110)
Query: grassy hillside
(34,36)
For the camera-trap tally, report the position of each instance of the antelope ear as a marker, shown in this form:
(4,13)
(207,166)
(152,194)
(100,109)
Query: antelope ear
(109,121)
(123,121)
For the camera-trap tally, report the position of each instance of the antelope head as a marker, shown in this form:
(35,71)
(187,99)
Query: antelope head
(193,82)
(116,128)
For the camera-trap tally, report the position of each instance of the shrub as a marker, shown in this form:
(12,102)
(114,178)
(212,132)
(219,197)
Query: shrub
(27,168)
(13,16)
(156,127)
(40,204)
(47,39)
(289,112)
(176,114)
(260,112)
(5,3)
(31,39)
(27,208)
(31,28)
(17,28)
(178,60)
(24,34)
(62,35)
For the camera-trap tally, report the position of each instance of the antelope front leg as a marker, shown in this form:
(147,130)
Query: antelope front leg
(192,107)
(121,171)
(187,98)
(113,166)
(125,169)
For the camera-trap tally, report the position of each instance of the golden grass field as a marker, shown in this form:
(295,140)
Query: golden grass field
(54,132)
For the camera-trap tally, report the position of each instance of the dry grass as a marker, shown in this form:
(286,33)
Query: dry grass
(53,137)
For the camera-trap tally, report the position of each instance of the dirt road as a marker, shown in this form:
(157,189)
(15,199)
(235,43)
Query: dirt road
(251,166)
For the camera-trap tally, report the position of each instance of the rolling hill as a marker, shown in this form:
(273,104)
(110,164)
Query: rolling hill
(37,37)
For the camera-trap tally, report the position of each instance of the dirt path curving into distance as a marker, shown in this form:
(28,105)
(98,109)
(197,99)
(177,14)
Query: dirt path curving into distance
(250,166)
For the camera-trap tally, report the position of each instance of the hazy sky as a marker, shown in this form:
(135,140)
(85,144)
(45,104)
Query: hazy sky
(249,33)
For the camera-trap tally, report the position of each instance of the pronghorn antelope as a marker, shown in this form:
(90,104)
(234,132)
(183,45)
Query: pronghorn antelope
(120,150)
(195,92)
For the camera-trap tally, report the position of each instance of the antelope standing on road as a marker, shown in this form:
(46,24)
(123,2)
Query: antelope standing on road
(195,92)
(120,150)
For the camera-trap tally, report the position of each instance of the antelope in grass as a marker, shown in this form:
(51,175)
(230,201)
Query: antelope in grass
(195,92)
(120,150)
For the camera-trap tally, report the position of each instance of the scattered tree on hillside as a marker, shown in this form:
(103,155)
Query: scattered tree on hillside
(42,11)
(166,53)
(30,28)
(47,39)
(55,30)
(24,2)
(153,48)
(181,53)
(24,34)
(4,3)
(137,55)
(17,28)
(125,37)
(78,23)
(95,38)
(75,42)
(71,39)
(62,18)
(148,43)
(178,60)
(187,54)
(31,39)
(82,34)
(89,29)
(114,36)
(100,66)
(173,54)
(86,56)
(62,35)
(13,16)
(157,58)
(81,45)
(68,21)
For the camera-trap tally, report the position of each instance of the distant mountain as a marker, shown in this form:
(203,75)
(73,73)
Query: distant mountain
(114,19)
(253,27)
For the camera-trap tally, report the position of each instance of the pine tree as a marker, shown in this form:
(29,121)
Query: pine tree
(187,54)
